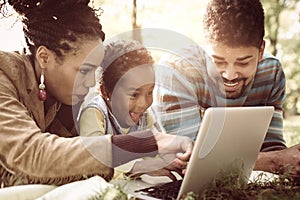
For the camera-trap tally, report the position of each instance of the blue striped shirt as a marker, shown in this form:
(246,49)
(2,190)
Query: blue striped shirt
(185,89)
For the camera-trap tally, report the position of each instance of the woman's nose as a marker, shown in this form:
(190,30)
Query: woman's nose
(90,81)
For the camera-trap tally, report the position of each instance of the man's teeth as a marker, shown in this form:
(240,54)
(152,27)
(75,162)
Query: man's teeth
(231,84)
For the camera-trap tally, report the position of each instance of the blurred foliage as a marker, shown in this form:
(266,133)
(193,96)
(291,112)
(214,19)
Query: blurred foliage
(291,129)
(282,26)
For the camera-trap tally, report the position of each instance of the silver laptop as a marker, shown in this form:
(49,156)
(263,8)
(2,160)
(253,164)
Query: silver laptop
(229,138)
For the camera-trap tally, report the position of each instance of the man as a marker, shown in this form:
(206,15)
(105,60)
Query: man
(235,73)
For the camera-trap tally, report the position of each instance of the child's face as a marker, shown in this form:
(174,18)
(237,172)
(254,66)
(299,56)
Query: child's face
(132,95)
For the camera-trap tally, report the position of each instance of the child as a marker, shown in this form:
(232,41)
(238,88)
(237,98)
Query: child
(126,84)
(127,80)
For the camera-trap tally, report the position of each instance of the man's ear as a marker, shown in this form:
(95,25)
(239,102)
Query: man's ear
(261,50)
(44,56)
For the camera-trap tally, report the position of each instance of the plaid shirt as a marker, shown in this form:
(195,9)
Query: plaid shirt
(185,89)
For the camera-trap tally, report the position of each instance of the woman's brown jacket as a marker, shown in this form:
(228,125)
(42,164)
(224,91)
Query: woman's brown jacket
(30,154)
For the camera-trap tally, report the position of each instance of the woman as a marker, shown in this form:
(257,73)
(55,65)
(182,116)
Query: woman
(40,87)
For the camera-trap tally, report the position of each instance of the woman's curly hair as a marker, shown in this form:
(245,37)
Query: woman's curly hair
(235,23)
(120,57)
(56,24)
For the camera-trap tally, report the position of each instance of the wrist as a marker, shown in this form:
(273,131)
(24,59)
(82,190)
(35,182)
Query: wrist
(267,161)
(132,146)
(159,138)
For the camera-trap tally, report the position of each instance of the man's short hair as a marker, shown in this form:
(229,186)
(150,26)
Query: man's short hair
(234,23)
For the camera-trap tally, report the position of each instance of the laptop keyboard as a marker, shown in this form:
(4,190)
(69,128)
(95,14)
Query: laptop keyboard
(166,191)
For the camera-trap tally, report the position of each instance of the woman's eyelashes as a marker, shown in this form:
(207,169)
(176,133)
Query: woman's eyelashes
(84,71)
(86,68)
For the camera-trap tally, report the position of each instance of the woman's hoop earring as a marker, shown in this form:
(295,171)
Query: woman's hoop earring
(42,92)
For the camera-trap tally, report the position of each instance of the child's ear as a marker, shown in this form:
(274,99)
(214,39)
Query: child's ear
(104,93)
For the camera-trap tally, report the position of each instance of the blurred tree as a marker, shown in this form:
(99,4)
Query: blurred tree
(273,10)
(137,35)
(284,42)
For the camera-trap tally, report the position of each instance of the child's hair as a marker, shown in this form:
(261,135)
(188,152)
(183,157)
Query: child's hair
(120,57)
(235,23)
(58,25)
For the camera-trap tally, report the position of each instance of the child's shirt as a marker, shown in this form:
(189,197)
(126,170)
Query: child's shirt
(97,119)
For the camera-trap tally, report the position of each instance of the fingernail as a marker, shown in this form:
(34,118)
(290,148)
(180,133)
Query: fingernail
(176,162)
(179,154)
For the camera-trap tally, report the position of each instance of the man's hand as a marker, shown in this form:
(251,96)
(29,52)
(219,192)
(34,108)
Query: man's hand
(282,161)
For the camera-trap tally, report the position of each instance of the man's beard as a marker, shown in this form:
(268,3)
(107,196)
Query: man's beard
(234,94)
(227,89)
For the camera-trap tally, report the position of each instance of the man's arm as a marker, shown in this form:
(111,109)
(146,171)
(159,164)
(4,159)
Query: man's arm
(281,161)
(178,85)
(272,70)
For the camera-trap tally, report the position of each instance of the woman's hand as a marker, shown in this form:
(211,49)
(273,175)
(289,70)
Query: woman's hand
(173,155)
(175,150)
(168,144)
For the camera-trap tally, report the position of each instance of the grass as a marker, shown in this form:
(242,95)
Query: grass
(281,188)
(291,126)
(230,188)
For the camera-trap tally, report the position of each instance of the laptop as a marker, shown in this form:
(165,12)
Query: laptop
(229,139)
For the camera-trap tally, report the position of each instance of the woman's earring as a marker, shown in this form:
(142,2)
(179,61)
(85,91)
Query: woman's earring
(107,99)
(42,91)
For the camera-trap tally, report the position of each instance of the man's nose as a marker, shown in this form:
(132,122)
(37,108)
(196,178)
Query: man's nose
(229,73)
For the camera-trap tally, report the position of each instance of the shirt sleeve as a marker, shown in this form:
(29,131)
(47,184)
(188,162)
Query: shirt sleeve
(132,146)
(176,94)
(274,139)
(91,122)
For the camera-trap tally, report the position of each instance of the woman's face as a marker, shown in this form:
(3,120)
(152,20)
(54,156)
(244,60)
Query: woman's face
(132,95)
(69,81)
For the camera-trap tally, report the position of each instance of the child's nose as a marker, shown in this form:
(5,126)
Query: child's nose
(142,102)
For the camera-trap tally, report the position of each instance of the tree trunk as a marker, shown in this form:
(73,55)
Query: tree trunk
(136,33)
